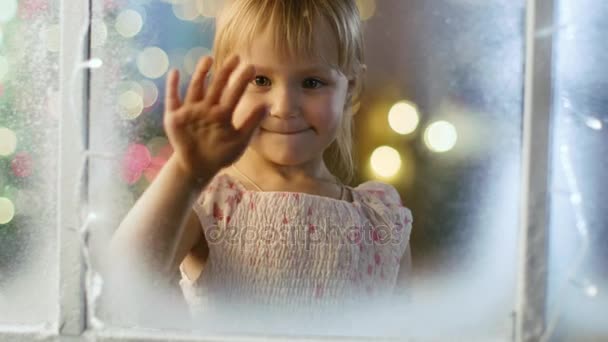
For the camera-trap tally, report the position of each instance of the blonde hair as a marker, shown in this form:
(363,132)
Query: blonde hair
(292,23)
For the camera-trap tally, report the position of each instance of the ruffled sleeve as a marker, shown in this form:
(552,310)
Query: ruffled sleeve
(217,202)
(385,208)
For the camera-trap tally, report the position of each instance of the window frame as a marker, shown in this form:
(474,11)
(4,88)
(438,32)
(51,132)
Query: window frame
(72,318)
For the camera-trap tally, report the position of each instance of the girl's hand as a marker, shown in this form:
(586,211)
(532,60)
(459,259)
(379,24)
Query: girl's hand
(200,128)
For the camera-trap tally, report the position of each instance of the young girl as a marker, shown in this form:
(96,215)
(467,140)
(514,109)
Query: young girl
(246,208)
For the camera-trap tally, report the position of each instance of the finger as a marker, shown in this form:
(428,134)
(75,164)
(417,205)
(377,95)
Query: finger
(252,122)
(172,101)
(219,83)
(232,96)
(196,90)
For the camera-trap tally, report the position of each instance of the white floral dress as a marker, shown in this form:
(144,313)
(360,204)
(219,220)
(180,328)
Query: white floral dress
(288,254)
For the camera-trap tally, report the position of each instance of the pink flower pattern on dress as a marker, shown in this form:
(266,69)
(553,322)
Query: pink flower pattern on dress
(371,261)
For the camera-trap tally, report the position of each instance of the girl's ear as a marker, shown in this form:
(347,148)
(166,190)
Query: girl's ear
(355,81)
(354,90)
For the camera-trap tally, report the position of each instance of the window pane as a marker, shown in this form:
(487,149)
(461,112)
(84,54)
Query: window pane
(578,272)
(457,63)
(460,63)
(29,121)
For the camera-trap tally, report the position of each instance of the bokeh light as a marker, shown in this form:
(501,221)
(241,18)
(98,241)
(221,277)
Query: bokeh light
(186,10)
(367,8)
(8,9)
(131,104)
(403,117)
(385,161)
(192,57)
(3,67)
(8,142)
(150,93)
(131,85)
(153,62)
(440,136)
(594,123)
(1,37)
(129,23)
(209,8)
(52,36)
(7,210)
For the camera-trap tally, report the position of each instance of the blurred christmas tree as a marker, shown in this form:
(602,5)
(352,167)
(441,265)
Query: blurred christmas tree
(29,45)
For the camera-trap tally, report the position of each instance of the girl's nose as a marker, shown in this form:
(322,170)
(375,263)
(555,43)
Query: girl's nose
(285,104)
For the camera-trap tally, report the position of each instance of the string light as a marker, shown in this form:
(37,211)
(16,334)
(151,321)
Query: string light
(186,10)
(367,8)
(150,93)
(129,23)
(440,136)
(403,117)
(385,161)
(7,210)
(8,142)
(153,62)
(576,200)
(209,8)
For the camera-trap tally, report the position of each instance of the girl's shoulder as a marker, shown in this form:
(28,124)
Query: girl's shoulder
(383,199)
(379,193)
(220,195)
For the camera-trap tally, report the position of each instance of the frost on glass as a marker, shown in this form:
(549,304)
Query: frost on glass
(578,273)
(29,120)
(461,64)
(456,65)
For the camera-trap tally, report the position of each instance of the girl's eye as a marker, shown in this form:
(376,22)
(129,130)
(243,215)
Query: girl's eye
(312,83)
(261,81)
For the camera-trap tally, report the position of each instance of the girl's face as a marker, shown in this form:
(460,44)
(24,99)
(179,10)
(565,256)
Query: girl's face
(305,100)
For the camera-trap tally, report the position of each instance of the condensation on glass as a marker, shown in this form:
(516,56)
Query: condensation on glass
(458,63)
(578,273)
(29,122)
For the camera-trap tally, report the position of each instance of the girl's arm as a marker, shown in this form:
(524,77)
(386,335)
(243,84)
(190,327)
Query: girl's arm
(154,236)
(161,228)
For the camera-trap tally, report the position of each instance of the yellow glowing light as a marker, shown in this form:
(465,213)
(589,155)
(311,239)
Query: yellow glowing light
(131,104)
(99,33)
(153,62)
(8,9)
(8,142)
(7,210)
(150,93)
(367,8)
(209,8)
(385,161)
(440,136)
(3,67)
(403,117)
(192,57)
(52,37)
(186,10)
(129,23)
